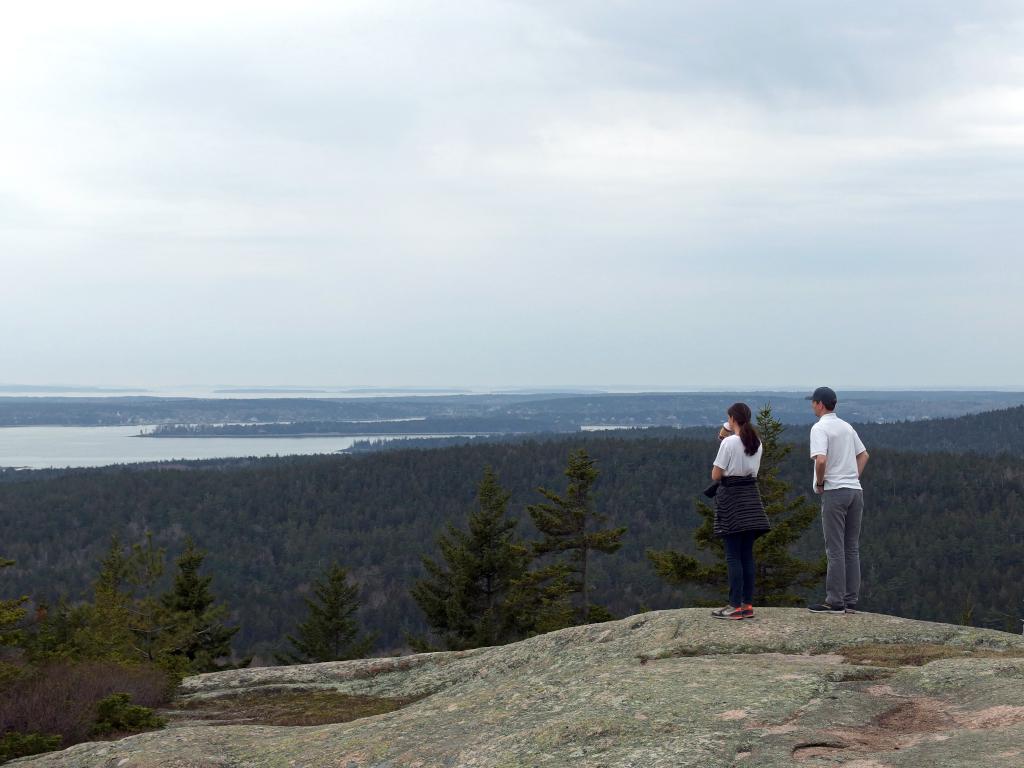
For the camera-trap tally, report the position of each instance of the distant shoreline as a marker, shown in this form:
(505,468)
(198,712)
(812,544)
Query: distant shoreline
(327,434)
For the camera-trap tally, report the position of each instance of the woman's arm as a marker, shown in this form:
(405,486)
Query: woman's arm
(721,460)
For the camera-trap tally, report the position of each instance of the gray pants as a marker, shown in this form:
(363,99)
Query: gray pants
(841,513)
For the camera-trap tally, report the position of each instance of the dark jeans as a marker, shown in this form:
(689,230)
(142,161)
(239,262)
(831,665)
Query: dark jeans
(739,557)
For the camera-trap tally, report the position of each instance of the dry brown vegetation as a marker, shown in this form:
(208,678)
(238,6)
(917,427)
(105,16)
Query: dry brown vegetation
(917,654)
(286,707)
(61,698)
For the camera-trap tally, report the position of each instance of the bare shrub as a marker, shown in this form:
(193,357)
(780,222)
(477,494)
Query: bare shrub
(62,698)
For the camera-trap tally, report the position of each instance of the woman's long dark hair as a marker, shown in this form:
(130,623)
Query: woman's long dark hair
(740,413)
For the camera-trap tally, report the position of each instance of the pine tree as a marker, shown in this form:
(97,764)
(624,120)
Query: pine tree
(466,599)
(330,633)
(125,621)
(200,635)
(102,630)
(778,570)
(129,621)
(570,526)
(149,622)
(96,630)
(11,613)
(55,634)
(114,570)
(540,601)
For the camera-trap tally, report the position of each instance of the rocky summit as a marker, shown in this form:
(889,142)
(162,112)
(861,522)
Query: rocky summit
(667,688)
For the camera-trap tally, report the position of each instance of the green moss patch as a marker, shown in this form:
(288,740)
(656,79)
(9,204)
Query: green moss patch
(289,707)
(917,654)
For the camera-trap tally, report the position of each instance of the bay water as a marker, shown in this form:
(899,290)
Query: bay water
(45,447)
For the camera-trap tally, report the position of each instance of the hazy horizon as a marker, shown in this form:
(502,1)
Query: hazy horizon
(115,387)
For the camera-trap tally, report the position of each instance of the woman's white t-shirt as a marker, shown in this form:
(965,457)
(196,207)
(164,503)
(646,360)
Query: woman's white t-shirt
(733,460)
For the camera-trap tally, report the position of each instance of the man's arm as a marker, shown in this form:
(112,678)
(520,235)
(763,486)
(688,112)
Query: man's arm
(862,461)
(819,471)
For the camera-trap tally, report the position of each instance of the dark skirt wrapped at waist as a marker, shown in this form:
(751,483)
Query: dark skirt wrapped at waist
(738,481)
(738,507)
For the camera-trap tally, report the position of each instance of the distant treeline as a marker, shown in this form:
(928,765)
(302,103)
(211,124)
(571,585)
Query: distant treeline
(990,433)
(942,539)
(432,425)
(126,411)
(506,412)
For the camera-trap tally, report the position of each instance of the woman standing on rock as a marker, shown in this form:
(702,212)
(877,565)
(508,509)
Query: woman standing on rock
(739,513)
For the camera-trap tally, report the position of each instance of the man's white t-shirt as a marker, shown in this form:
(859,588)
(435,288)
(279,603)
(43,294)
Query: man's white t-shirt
(733,460)
(839,443)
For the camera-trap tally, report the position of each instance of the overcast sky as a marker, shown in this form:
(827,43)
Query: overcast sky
(512,193)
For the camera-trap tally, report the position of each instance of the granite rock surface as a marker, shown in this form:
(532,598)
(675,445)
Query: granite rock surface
(666,688)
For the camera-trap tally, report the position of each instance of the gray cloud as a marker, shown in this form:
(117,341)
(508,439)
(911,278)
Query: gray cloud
(513,193)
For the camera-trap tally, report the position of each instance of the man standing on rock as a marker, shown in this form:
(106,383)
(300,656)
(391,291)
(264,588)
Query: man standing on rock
(839,460)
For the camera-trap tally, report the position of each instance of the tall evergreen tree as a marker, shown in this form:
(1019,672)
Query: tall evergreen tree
(541,600)
(114,571)
(201,636)
(779,572)
(124,622)
(130,621)
(149,622)
(466,598)
(570,526)
(11,612)
(96,630)
(56,635)
(331,632)
(102,630)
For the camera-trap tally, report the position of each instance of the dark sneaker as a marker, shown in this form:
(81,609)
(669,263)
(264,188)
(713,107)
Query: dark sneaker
(851,609)
(734,614)
(826,608)
(748,611)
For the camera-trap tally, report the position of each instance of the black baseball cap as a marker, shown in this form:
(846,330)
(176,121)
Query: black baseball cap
(826,396)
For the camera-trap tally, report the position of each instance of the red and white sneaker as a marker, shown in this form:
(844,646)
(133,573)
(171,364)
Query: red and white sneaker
(729,612)
(748,610)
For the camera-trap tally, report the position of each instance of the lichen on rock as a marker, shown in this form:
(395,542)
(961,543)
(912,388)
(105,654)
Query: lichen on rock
(666,688)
